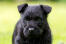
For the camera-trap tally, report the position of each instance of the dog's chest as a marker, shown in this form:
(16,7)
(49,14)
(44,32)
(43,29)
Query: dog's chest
(35,41)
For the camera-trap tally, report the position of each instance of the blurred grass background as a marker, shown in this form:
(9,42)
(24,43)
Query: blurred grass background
(9,15)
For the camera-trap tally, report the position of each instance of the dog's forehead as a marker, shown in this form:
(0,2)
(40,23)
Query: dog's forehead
(33,10)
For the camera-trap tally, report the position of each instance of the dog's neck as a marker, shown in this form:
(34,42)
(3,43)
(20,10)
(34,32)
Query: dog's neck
(32,40)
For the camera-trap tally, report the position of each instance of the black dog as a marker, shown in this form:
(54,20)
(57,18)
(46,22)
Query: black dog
(32,28)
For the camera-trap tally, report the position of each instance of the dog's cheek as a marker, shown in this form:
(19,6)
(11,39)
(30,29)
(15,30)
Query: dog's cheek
(40,25)
(25,32)
(41,31)
(24,23)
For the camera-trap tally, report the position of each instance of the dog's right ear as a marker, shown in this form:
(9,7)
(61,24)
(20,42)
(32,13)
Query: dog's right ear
(21,8)
(46,9)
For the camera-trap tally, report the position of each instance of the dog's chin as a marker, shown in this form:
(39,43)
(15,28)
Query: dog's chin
(32,35)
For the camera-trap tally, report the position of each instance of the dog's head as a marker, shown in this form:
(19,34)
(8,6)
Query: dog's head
(33,19)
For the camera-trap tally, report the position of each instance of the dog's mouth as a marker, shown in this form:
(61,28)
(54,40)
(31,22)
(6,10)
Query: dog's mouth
(32,32)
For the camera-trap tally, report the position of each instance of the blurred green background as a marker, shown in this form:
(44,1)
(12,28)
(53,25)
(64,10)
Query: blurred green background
(9,15)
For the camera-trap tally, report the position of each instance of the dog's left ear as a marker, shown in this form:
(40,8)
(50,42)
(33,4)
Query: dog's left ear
(46,9)
(21,8)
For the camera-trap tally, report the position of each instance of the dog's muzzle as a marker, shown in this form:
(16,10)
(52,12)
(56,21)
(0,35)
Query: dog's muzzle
(31,31)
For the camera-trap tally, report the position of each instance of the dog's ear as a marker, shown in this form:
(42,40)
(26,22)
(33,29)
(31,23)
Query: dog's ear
(21,8)
(46,9)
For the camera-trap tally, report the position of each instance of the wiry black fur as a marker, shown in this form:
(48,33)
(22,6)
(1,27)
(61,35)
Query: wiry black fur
(45,36)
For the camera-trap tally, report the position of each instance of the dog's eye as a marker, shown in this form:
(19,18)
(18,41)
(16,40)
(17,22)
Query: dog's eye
(28,18)
(37,19)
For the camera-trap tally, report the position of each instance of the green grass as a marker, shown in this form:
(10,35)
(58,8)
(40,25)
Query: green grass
(9,15)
